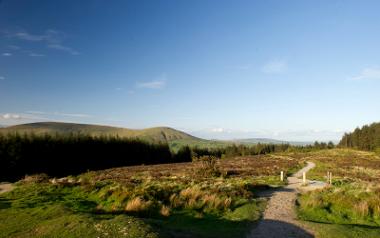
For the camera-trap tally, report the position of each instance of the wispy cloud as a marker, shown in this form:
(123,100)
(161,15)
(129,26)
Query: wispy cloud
(6,54)
(16,48)
(52,38)
(20,118)
(36,55)
(158,83)
(63,48)
(2,77)
(275,67)
(155,84)
(368,74)
(71,114)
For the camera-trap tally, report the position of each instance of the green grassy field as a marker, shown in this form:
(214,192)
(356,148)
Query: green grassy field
(197,199)
(351,206)
(172,200)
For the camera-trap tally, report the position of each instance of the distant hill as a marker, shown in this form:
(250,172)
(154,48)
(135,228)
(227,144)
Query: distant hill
(268,141)
(173,137)
(156,134)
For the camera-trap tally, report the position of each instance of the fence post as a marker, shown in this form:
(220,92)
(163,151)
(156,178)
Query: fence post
(282,176)
(330,178)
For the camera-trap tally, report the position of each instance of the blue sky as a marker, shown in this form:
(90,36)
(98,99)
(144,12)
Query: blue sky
(293,70)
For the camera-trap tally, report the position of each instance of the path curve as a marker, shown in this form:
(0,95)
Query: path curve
(6,187)
(279,218)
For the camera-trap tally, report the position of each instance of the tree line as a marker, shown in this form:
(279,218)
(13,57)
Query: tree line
(62,155)
(257,149)
(364,138)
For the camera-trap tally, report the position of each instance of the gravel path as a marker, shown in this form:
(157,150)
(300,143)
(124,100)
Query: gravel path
(279,219)
(5,187)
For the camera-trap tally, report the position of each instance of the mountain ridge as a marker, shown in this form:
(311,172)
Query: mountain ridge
(161,134)
(154,134)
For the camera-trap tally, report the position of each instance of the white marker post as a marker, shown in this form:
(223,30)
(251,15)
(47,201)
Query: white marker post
(304,178)
(282,176)
(330,178)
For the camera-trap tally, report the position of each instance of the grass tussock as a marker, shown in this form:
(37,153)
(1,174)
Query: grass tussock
(137,205)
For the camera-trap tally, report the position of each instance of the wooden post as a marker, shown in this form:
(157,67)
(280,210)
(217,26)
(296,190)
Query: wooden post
(282,176)
(330,178)
(304,178)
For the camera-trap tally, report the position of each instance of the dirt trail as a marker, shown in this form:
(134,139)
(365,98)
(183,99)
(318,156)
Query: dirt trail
(279,219)
(5,187)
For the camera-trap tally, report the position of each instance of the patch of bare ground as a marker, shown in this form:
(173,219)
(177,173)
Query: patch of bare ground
(5,187)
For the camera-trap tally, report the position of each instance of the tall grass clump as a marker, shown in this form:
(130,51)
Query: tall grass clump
(208,167)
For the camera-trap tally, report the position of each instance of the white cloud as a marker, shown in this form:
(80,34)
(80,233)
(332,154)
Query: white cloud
(368,74)
(275,67)
(159,83)
(6,54)
(218,130)
(2,77)
(8,116)
(59,114)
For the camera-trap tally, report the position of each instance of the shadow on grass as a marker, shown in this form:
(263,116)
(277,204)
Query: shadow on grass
(267,192)
(5,203)
(374,227)
(184,224)
(278,229)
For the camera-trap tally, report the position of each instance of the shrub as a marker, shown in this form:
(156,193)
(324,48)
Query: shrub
(138,205)
(165,211)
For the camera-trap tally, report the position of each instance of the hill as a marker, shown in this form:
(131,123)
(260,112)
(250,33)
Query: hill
(269,141)
(156,134)
(175,138)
